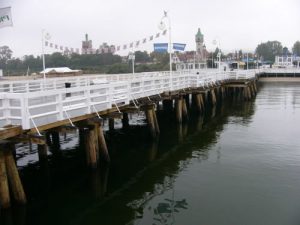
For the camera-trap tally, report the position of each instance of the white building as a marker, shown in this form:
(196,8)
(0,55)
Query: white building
(286,61)
(1,73)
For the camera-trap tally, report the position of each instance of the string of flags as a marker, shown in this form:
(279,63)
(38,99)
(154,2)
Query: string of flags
(61,47)
(138,43)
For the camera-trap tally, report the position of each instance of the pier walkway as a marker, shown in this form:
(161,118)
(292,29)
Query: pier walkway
(34,104)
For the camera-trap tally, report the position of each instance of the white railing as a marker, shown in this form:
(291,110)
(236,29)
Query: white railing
(34,103)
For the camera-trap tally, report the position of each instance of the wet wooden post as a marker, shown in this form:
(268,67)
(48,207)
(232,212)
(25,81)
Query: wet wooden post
(198,102)
(13,177)
(111,124)
(178,106)
(150,121)
(184,110)
(157,130)
(103,151)
(125,120)
(4,189)
(55,138)
(213,97)
(249,92)
(90,146)
(42,152)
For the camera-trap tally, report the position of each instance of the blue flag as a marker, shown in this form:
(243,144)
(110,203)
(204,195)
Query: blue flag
(160,47)
(178,46)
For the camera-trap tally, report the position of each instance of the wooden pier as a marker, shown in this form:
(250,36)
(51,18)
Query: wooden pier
(36,111)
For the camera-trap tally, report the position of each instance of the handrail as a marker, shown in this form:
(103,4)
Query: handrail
(52,101)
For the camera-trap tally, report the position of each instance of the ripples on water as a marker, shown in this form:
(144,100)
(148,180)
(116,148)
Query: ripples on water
(240,167)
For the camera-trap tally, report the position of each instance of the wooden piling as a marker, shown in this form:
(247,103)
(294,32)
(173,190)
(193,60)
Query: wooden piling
(125,120)
(213,97)
(179,110)
(157,130)
(14,178)
(103,151)
(198,98)
(184,110)
(4,189)
(90,146)
(42,152)
(151,123)
(249,92)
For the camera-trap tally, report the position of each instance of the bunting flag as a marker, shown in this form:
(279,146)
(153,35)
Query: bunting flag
(51,45)
(124,47)
(61,48)
(160,47)
(157,35)
(164,32)
(118,48)
(151,38)
(137,43)
(56,46)
(145,40)
(131,45)
(178,46)
(5,17)
(46,43)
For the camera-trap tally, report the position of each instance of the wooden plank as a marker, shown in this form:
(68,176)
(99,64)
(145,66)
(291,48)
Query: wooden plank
(10,132)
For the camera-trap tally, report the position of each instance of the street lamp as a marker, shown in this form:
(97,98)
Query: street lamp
(47,37)
(162,26)
(132,58)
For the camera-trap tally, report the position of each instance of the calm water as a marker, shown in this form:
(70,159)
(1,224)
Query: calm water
(240,164)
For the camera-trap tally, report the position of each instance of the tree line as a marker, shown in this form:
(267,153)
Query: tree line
(110,63)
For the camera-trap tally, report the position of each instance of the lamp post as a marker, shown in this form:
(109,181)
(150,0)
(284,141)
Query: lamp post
(43,54)
(162,27)
(132,58)
(47,37)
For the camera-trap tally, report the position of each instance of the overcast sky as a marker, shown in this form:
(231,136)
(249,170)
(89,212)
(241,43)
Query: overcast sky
(237,24)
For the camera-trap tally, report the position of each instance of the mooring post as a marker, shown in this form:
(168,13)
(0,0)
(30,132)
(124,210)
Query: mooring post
(4,189)
(178,105)
(14,178)
(90,146)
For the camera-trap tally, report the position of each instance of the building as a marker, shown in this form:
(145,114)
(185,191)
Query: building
(105,48)
(201,52)
(87,46)
(193,59)
(287,61)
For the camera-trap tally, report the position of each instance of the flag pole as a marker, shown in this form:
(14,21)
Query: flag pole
(43,55)
(170,50)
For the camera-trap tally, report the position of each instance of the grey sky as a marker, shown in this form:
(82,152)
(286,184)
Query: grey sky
(238,24)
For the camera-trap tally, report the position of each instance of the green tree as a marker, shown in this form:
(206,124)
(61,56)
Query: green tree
(142,57)
(269,50)
(296,48)
(5,54)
